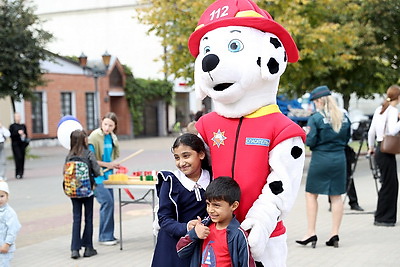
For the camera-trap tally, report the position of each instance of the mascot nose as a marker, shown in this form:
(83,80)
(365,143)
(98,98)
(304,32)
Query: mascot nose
(210,62)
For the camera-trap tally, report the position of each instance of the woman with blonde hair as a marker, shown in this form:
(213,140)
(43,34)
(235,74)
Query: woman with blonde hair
(385,122)
(328,132)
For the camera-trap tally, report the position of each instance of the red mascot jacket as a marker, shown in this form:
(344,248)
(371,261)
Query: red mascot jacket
(240,147)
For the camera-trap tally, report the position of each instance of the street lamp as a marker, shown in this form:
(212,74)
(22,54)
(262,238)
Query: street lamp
(95,72)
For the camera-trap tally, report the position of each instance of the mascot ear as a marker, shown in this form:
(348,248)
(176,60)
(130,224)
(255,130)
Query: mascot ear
(273,59)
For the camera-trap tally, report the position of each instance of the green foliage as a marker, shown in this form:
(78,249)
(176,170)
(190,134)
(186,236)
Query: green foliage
(349,45)
(174,21)
(22,43)
(140,92)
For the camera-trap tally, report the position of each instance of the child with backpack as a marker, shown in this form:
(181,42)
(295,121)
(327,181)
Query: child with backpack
(79,171)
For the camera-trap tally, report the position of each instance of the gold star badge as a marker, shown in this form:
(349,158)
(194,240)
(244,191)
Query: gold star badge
(218,138)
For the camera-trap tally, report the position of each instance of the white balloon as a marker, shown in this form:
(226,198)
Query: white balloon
(64,132)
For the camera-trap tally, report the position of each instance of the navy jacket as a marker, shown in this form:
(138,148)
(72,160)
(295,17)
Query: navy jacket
(191,245)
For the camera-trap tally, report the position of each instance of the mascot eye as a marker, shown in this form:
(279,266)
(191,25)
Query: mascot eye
(235,46)
(207,49)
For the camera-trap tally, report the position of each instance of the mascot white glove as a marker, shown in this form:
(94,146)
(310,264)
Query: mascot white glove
(261,219)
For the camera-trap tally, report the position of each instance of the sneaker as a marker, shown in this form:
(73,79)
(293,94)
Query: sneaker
(108,243)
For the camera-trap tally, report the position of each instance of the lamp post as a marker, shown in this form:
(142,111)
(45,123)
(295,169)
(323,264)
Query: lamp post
(95,72)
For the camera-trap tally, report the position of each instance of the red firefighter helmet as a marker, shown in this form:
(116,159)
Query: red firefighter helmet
(246,13)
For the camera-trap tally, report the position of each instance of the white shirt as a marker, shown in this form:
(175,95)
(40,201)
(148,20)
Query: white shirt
(4,133)
(377,128)
(191,185)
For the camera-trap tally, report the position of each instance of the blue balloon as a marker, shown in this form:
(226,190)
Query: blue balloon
(66,118)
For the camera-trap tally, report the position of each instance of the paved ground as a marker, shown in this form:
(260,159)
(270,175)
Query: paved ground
(45,214)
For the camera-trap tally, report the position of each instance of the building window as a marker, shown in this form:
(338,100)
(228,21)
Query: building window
(90,111)
(66,104)
(37,113)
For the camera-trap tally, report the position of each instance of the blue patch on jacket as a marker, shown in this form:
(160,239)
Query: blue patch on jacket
(257,141)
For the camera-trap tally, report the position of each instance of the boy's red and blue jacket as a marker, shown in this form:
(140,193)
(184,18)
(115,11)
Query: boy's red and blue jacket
(190,245)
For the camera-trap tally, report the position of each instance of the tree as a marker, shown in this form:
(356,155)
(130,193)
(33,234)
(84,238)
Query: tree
(174,21)
(383,17)
(22,43)
(349,45)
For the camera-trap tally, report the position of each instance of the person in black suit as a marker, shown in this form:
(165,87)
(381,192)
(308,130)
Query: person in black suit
(19,137)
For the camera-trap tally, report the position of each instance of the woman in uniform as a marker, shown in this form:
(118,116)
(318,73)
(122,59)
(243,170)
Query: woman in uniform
(328,132)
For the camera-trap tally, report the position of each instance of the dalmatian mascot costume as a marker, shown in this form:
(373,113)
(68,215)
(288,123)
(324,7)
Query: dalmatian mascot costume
(241,52)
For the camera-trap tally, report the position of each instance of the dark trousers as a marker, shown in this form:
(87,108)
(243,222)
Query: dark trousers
(86,240)
(18,150)
(351,192)
(386,210)
(351,158)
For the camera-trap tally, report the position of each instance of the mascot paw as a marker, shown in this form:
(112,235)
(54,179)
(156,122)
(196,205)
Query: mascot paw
(257,239)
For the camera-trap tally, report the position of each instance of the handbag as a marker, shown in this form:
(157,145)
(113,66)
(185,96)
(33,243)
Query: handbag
(25,142)
(390,143)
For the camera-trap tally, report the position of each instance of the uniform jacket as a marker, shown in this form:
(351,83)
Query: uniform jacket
(240,147)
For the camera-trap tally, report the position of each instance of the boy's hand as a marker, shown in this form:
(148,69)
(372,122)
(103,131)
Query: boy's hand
(191,224)
(4,248)
(201,230)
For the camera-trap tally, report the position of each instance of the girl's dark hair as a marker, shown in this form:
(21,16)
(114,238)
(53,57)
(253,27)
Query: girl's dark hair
(392,93)
(112,116)
(78,143)
(223,188)
(193,141)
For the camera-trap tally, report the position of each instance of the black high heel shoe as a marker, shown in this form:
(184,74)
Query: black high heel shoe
(313,239)
(333,242)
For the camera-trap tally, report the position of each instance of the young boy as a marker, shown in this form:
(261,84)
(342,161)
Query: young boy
(9,227)
(218,240)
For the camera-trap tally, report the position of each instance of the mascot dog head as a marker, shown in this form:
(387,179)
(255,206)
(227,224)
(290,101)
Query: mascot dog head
(240,54)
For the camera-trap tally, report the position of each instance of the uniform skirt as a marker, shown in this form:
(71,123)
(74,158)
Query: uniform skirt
(327,173)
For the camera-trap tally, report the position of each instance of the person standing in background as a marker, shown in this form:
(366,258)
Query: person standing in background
(386,122)
(18,137)
(328,132)
(104,144)
(4,133)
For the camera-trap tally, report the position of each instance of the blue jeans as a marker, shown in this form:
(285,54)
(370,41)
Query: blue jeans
(105,197)
(86,240)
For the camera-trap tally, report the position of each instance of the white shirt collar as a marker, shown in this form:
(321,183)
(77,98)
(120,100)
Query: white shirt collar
(190,184)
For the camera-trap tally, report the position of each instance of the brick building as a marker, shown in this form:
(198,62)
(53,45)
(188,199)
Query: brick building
(69,91)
